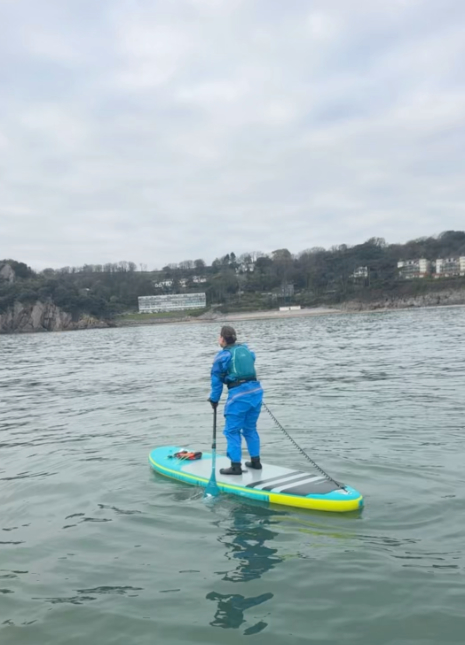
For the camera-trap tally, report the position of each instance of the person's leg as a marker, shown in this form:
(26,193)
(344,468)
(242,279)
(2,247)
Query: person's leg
(232,432)
(251,435)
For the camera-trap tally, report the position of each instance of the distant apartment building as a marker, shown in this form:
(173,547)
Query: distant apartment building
(440,268)
(410,269)
(450,267)
(171,302)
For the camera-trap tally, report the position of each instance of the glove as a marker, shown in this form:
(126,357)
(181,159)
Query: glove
(214,404)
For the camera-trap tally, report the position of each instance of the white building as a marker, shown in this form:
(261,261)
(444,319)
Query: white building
(360,272)
(449,267)
(163,284)
(171,302)
(410,269)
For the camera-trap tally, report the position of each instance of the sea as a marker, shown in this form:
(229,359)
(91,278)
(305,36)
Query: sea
(96,548)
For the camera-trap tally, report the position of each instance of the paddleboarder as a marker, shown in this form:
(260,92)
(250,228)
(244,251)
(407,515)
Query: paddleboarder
(234,366)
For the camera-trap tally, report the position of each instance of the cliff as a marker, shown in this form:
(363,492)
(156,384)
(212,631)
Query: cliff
(43,316)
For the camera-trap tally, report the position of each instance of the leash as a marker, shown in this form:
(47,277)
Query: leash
(301,450)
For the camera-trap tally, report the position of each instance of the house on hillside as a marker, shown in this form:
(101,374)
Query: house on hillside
(360,273)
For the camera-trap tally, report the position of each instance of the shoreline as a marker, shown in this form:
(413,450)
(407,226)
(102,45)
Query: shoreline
(274,315)
(230,317)
(221,318)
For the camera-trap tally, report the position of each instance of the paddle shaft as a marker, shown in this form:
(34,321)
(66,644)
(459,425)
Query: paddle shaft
(212,489)
(214,442)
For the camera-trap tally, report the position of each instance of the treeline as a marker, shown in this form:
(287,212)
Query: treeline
(102,294)
(249,281)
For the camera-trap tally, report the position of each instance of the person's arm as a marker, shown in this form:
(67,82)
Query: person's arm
(218,374)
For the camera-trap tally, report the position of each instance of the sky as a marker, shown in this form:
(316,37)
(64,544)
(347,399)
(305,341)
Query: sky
(157,132)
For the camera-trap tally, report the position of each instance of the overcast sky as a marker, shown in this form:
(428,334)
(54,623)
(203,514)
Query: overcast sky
(158,131)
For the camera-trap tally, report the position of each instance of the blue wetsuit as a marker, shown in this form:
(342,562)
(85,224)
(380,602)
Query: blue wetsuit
(242,407)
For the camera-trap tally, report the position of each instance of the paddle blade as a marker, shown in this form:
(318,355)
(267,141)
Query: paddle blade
(212,489)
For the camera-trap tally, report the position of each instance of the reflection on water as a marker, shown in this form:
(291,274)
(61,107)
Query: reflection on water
(245,533)
(230,612)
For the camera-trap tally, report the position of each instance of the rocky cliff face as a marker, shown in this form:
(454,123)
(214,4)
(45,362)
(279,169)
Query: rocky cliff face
(43,316)
(434,298)
(7,273)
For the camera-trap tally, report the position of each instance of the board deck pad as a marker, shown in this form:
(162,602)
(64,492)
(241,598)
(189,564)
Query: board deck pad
(276,484)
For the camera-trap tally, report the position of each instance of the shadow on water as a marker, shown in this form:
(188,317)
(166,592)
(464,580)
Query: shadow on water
(246,533)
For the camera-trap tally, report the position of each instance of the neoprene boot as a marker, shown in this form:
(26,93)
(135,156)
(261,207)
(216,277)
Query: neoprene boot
(235,469)
(255,463)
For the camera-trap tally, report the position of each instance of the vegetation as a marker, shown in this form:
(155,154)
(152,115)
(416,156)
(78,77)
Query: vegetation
(252,281)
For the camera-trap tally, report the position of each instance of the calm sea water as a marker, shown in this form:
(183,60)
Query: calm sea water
(96,548)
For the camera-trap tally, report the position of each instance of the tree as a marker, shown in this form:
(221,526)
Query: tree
(281,255)
(20,268)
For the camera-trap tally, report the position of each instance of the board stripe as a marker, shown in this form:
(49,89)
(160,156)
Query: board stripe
(300,480)
(275,479)
(302,489)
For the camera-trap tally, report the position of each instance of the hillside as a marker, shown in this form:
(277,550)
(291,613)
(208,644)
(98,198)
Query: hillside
(362,276)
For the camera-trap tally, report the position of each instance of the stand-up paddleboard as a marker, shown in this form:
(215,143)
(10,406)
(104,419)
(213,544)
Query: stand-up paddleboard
(273,484)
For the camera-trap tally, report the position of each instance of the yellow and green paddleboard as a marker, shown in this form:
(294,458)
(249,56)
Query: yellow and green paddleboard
(272,484)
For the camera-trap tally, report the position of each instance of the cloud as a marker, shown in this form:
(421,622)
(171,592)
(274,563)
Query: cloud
(158,132)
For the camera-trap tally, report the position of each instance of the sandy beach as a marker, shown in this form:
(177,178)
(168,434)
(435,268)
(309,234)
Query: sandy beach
(274,313)
(232,317)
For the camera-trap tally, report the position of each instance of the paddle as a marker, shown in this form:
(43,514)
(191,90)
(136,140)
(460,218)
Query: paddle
(212,489)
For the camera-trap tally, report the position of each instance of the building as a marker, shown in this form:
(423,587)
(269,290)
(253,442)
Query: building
(450,267)
(360,273)
(163,284)
(409,269)
(247,266)
(171,302)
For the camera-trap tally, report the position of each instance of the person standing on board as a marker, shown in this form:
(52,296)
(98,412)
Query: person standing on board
(234,366)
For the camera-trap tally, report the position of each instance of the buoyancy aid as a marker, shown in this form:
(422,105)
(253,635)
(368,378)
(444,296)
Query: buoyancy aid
(241,366)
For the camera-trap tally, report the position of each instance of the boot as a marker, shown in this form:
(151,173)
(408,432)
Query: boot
(235,469)
(254,463)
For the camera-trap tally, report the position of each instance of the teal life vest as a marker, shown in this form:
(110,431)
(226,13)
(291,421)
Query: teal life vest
(241,367)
